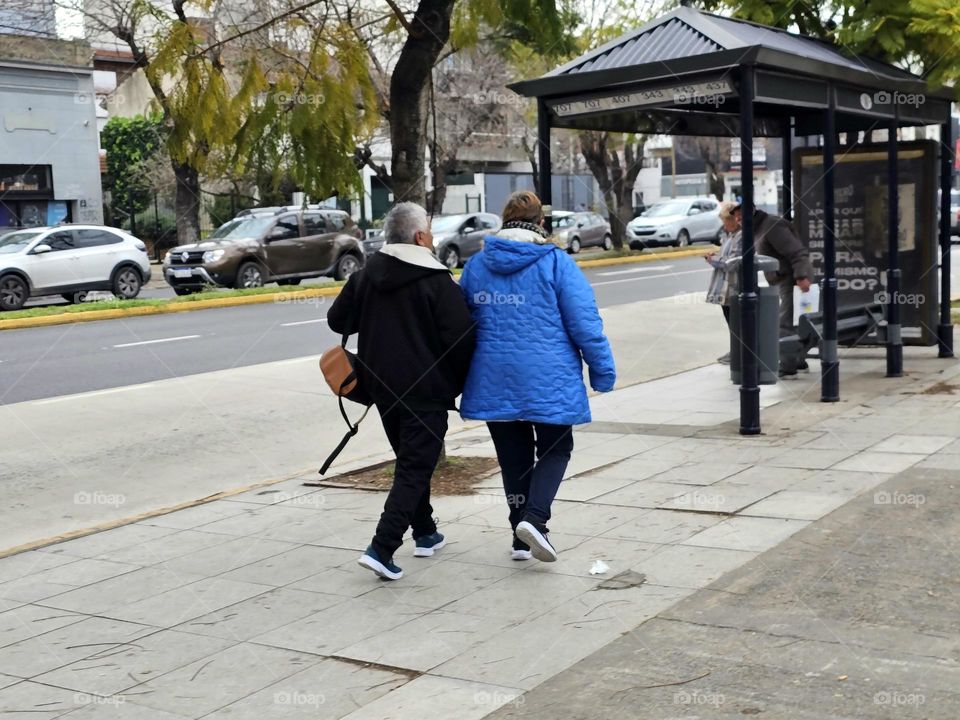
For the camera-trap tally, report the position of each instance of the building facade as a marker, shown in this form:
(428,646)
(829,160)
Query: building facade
(49,147)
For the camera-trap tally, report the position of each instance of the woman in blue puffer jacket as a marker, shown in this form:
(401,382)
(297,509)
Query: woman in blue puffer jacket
(537,322)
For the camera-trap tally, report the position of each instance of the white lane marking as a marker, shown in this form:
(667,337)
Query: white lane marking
(652,277)
(153,342)
(303,322)
(635,270)
(77,396)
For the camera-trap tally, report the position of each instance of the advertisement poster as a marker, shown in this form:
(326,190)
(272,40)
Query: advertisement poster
(860,198)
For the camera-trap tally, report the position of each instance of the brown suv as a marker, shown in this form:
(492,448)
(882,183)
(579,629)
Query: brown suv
(263,245)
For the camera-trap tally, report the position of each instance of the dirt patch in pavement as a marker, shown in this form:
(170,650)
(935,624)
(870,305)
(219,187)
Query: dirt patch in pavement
(941,388)
(455,475)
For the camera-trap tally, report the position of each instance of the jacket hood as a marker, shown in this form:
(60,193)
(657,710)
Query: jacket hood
(505,257)
(399,264)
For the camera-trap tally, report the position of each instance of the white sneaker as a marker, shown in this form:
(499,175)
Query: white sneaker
(540,546)
(520,555)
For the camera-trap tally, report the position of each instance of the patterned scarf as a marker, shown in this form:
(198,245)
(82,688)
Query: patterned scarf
(523,225)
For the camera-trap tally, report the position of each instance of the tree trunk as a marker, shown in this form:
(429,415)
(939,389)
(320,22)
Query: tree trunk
(531,153)
(714,180)
(187,203)
(409,94)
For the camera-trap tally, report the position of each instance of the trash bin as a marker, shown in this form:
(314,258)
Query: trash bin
(768,328)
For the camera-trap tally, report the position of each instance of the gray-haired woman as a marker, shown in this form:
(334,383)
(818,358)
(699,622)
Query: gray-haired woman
(725,264)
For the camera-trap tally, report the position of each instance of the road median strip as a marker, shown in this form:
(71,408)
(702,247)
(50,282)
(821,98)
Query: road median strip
(174,305)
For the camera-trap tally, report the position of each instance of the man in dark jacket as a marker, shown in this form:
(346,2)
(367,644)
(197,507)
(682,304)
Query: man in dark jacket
(774,236)
(416,339)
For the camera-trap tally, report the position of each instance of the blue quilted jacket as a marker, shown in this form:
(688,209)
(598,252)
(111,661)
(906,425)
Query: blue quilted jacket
(537,322)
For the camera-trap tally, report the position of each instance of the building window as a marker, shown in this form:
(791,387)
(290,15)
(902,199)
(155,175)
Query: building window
(25,181)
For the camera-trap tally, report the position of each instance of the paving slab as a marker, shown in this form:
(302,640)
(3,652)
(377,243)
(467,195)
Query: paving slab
(39,654)
(259,614)
(212,682)
(327,690)
(115,667)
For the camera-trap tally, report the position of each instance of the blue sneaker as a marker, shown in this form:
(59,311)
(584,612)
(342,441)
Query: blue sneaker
(428,544)
(384,568)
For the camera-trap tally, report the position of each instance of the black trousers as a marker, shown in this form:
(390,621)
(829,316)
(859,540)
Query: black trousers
(416,437)
(533,458)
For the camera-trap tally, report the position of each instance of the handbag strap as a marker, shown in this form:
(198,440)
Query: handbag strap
(354,427)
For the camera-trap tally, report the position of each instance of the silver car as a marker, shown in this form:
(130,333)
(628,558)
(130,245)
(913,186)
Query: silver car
(458,237)
(581,229)
(679,222)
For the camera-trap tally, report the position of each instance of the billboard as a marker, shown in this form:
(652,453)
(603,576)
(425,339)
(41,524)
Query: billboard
(860,197)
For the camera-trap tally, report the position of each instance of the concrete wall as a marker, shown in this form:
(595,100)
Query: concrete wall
(48,117)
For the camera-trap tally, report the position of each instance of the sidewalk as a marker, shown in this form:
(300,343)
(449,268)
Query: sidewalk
(253,606)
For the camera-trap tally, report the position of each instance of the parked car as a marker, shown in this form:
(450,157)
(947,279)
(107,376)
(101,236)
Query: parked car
(458,237)
(70,260)
(676,222)
(373,240)
(282,245)
(581,229)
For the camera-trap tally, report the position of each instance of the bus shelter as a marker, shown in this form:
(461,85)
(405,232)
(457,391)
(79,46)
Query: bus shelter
(695,73)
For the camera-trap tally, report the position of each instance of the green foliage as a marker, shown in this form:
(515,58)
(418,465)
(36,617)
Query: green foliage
(129,144)
(232,107)
(918,35)
(545,27)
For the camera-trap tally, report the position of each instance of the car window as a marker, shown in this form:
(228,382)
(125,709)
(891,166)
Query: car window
(563,221)
(62,240)
(287,227)
(16,241)
(335,221)
(445,223)
(667,208)
(708,205)
(85,238)
(313,224)
(488,223)
(597,220)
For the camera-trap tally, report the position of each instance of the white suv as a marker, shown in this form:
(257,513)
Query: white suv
(70,260)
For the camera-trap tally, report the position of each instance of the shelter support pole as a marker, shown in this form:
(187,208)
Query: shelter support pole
(894,340)
(544,171)
(829,361)
(788,170)
(749,363)
(945,328)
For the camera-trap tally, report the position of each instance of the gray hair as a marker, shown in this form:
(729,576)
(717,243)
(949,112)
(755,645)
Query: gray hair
(404,221)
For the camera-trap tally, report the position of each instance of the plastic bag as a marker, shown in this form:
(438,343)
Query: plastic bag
(805,302)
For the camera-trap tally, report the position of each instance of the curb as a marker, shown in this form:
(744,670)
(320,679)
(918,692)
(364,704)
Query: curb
(605,262)
(173,307)
(189,306)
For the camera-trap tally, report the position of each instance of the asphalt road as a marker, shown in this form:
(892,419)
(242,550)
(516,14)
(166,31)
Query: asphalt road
(40,363)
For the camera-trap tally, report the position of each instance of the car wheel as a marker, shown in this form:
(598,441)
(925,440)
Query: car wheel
(574,246)
(451,258)
(607,242)
(126,283)
(14,292)
(184,291)
(637,245)
(683,238)
(75,297)
(250,275)
(294,281)
(347,265)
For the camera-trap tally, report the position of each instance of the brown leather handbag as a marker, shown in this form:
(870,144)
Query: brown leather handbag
(339,368)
